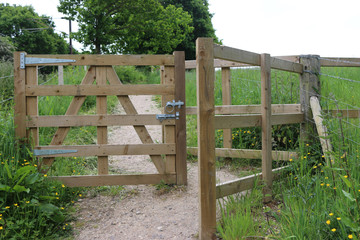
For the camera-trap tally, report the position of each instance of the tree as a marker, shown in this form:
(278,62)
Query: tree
(30,32)
(6,49)
(201,21)
(127,26)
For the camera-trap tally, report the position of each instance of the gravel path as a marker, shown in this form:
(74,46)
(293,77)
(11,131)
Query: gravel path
(142,212)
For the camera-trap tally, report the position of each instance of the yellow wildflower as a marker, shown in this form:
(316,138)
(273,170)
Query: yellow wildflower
(333,230)
(328,222)
(350,236)
(331,214)
(339,218)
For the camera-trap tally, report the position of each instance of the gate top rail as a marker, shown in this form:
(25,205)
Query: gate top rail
(103,60)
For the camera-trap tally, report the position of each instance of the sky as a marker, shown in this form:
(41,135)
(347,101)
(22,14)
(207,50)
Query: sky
(329,28)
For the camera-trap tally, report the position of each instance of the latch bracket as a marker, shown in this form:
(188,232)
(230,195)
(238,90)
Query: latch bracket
(162,117)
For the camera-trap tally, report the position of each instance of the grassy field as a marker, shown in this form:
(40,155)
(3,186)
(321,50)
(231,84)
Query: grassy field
(312,201)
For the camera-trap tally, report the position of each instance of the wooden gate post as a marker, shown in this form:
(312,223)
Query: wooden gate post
(180,127)
(205,77)
(226,100)
(309,86)
(19,98)
(266,125)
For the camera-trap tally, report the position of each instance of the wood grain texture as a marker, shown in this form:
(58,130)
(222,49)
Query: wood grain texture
(247,153)
(103,60)
(96,90)
(321,129)
(205,76)
(226,100)
(32,105)
(110,180)
(250,109)
(19,98)
(266,123)
(180,127)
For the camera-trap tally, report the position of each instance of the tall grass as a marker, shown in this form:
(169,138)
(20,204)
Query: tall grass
(312,200)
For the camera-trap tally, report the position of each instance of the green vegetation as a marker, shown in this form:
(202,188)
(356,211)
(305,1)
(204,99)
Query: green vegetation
(127,26)
(30,32)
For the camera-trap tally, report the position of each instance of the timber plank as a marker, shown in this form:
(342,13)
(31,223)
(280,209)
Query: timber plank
(247,153)
(103,60)
(180,127)
(104,150)
(226,100)
(97,90)
(95,120)
(19,98)
(32,104)
(110,180)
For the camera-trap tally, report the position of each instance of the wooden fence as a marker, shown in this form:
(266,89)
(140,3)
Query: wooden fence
(210,117)
(172,169)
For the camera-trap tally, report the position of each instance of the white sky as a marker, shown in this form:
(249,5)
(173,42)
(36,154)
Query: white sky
(329,28)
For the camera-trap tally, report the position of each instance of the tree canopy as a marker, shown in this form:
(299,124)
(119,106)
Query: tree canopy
(30,32)
(127,26)
(6,49)
(201,21)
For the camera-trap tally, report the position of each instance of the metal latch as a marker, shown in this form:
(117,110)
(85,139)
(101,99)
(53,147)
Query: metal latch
(162,117)
(31,60)
(41,152)
(170,106)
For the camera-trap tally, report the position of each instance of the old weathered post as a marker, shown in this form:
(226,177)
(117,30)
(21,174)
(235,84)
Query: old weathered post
(205,75)
(266,125)
(309,86)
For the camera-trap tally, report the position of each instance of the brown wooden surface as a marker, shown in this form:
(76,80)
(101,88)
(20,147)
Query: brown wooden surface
(242,184)
(169,131)
(101,108)
(104,150)
(32,104)
(266,123)
(321,129)
(19,98)
(96,90)
(226,100)
(180,128)
(103,60)
(140,129)
(246,153)
(250,109)
(309,86)
(109,180)
(95,120)
(73,109)
(205,76)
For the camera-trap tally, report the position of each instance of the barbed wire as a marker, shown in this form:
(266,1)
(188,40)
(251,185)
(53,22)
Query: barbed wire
(340,61)
(7,76)
(340,78)
(7,100)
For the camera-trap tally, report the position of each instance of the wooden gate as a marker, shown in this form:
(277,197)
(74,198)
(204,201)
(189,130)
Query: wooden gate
(169,157)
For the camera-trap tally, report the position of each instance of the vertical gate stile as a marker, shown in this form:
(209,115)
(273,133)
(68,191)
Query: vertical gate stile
(32,104)
(226,100)
(19,98)
(101,109)
(180,135)
(169,130)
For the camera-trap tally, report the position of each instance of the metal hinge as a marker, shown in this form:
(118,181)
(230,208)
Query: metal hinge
(38,152)
(162,117)
(31,60)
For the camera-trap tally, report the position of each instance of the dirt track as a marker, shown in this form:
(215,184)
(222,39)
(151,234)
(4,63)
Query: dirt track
(141,212)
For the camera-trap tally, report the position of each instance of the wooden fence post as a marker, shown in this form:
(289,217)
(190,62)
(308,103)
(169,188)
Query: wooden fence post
(266,125)
(180,127)
(309,86)
(19,98)
(205,76)
(226,100)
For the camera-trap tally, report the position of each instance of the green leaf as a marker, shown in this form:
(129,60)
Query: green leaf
(337,169)
(32,178)
(19,188)
(23,170)
(349,196)
(8,170)
(5,188)
(346,181)
(350,223)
